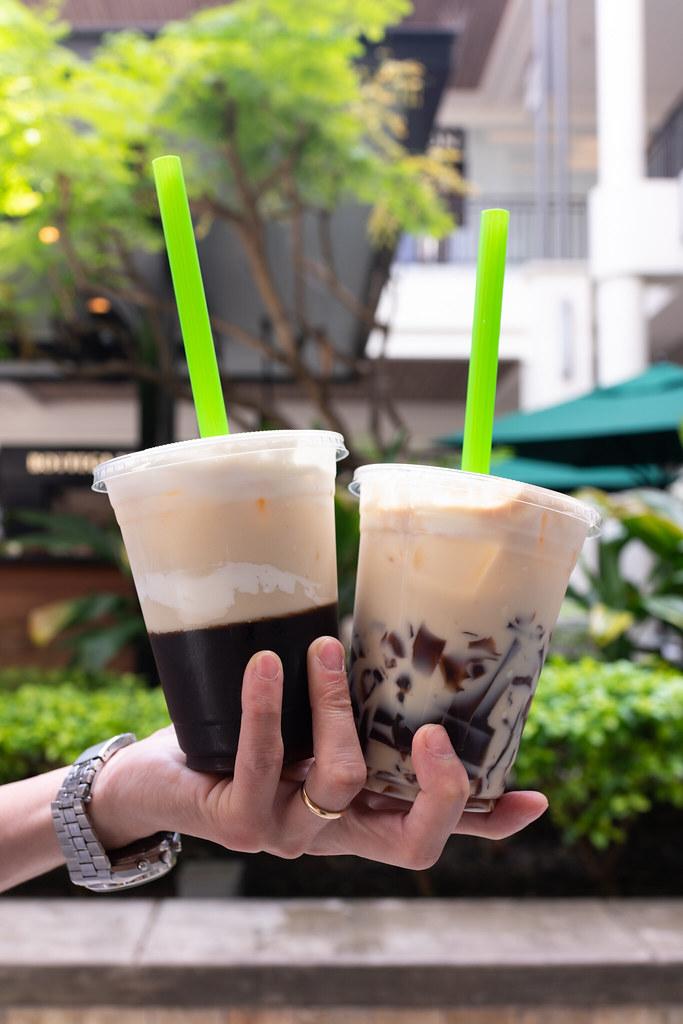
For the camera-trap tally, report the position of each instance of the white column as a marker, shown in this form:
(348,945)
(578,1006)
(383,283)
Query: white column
(620,68)
(620,65)
(622,329)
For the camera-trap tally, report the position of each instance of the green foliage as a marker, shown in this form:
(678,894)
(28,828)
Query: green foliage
(269,92)
(605,742)
(614,604)
(47,723)
(82,679)
(60,534)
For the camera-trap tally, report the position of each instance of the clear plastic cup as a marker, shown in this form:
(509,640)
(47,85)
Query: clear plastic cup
(460,581)
(231,542)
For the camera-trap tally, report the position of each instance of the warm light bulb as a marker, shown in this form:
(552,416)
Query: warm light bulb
(98,304)
(49,234)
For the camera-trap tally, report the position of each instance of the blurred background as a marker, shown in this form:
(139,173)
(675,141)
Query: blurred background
(338,160)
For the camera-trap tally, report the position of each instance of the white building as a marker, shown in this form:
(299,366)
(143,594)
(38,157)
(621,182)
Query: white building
(572,117)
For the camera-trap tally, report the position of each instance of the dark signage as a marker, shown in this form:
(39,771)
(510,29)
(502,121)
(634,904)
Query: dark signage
(49,479)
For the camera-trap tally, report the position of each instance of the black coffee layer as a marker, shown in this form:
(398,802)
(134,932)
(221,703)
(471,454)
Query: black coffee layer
(201,674)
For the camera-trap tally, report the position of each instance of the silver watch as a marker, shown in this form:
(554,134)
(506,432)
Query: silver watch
(89,864)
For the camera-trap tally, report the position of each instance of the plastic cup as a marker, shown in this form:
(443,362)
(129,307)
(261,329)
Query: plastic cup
(231,543)
(460,581)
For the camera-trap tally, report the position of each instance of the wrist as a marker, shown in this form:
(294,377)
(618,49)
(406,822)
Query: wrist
(114,810)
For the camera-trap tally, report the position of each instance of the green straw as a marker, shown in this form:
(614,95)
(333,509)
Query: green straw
(189,295)
(481,379)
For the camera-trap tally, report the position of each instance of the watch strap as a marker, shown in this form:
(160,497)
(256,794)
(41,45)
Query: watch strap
(88,863)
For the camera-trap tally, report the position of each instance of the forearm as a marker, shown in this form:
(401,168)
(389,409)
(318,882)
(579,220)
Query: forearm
(28,843)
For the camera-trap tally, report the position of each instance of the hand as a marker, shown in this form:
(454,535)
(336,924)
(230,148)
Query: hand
(147,787)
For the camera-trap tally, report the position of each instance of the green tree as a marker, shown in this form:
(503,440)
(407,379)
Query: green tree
(276,118)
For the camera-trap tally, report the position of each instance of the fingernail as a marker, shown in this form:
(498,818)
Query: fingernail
(331,654)
(267,666)
(438,743)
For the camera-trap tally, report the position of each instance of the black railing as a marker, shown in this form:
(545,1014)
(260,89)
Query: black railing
(665,152)
(530,235)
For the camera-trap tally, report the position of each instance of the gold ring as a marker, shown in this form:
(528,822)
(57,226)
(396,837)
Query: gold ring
(320,812)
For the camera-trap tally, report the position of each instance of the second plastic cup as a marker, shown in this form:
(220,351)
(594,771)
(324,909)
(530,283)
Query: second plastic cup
(460,581)
(231,542)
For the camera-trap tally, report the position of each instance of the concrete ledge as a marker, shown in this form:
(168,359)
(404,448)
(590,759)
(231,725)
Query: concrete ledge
(343,953)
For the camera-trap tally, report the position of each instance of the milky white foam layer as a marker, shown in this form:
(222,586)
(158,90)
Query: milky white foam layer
(210,599)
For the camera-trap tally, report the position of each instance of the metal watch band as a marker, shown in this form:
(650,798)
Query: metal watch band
(89,864)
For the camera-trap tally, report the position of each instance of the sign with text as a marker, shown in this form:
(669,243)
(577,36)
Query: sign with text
(54,479)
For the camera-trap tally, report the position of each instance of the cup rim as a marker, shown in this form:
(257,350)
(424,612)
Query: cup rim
(541,497)
(179,452)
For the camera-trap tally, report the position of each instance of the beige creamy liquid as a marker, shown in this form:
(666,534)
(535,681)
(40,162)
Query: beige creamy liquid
(230,538)
(454,608)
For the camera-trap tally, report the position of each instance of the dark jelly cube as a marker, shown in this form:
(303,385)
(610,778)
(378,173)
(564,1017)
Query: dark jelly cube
(427,650)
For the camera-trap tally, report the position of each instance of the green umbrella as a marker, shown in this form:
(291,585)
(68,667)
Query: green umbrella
(636,422)
(561,477)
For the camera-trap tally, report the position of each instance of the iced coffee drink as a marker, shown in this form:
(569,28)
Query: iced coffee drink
(232,547)
(460,581)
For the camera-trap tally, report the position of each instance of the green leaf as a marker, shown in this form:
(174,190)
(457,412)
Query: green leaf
(95,650)
(62,534)
(667,607)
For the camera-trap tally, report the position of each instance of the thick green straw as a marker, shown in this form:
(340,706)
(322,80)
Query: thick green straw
(189,295)
(481,379)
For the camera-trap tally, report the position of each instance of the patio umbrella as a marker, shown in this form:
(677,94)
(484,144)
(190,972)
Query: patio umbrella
(635,422)
(561,477)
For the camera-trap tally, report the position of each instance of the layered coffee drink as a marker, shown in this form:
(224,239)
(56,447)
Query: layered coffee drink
(460,581)
(231,543)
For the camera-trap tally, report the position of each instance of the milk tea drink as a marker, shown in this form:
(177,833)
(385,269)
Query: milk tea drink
(232,547)
(460,581)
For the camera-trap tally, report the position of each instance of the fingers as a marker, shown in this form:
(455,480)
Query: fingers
(338,772)
(259,754)
(444,789)
(393,831)
(512,813)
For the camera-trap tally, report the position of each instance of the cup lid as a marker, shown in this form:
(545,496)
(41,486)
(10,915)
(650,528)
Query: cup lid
(429,479)
(210,447)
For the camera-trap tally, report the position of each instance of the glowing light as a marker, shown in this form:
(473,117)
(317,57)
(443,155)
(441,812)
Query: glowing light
(32,136)
(99,305)
(49,234)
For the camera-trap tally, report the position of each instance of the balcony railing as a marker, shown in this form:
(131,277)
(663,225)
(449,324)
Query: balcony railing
(665,152)
(562,235)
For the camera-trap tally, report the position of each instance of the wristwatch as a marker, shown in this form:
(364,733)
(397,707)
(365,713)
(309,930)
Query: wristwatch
(89,864)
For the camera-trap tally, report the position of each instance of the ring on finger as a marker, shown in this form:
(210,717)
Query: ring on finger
(316,809)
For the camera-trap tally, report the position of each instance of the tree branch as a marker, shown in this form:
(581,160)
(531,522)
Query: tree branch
(252,235)
(217,209)
(344,295)
(297,228)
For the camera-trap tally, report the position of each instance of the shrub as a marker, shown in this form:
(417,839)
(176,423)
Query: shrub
(605,742)
(46,722)
(13,678)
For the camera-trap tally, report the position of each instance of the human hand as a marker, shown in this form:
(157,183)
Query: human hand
(147,787)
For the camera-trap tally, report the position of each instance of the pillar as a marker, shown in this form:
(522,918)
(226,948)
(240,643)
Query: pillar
(622,342)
